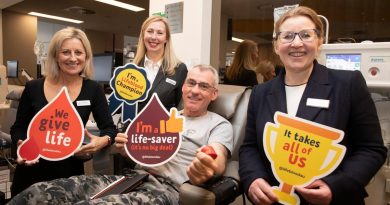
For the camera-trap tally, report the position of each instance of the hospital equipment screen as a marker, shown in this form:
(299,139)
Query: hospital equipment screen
(103,67)
(343,61)
(12,69)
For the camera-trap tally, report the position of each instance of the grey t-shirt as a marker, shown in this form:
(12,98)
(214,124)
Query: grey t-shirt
(199,131)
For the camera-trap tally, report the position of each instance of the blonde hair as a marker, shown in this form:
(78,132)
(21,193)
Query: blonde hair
(170,61)
(265,68)
(52,69)
(243,59)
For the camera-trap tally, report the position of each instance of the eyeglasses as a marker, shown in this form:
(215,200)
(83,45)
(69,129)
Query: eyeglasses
(202,85)
(306,35)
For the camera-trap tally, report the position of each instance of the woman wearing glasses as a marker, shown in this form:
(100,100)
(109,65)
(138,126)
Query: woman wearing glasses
(345,105)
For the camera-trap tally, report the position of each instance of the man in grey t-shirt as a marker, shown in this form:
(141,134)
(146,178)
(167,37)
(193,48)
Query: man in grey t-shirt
(201,128)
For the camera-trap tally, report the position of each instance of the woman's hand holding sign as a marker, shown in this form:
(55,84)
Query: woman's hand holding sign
(317,192)
(95,144)
(21,161)
(120,143)
(261,192)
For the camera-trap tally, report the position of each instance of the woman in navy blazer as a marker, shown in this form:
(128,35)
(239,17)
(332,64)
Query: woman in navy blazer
(164,70)
(351,109)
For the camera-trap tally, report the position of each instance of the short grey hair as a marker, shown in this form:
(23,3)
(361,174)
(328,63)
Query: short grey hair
(204,67)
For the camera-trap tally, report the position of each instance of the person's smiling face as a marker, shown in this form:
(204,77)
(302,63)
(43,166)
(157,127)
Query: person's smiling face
(198,91)
(71,57)
(155,37)
(298,55)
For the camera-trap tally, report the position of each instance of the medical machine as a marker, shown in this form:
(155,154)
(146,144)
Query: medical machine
(373,60)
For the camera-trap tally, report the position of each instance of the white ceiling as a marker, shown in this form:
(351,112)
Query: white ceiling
(96,16)
(253,19)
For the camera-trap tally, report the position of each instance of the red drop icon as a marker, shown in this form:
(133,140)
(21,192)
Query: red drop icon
(55,132)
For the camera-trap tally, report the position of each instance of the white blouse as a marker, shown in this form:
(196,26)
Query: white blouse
(293,97)
(151,69)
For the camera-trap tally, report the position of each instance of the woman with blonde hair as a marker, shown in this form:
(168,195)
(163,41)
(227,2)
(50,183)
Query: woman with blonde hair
(265,71)
(69,64)
(165,71)
(241,72)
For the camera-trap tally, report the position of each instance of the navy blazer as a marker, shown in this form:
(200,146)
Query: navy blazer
(168,88)
(351,109)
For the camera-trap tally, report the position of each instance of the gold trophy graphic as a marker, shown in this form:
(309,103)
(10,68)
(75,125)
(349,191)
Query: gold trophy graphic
(300,151)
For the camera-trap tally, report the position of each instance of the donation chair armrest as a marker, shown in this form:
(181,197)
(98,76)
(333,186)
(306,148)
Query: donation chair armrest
(5,140)
(232,170)
(194,195)
(223,191)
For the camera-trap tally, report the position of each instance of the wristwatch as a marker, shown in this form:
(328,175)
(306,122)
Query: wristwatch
(109,141)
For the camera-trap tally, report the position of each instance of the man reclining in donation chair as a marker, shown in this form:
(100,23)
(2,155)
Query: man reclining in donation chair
(201,128)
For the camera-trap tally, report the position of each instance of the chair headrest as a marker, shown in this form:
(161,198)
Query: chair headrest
(228,98)
(15,94)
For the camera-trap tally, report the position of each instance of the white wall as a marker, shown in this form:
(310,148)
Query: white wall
(192,46)
(45,32)
(216,35)
(130,46)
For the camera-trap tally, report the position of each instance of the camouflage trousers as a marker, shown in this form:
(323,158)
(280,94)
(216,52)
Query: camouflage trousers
(79,189)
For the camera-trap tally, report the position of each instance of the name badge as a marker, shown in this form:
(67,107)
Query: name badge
(83,103)
(170,81)
(314,102)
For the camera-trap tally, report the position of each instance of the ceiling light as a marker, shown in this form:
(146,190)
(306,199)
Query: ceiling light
(55,17)
(121,5)
(237,39)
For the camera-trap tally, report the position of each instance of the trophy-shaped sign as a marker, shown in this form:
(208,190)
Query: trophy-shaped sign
(300,151)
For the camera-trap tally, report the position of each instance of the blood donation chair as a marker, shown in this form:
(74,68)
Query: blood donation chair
(8,114)
(3,83)
(8,111)
(232,104)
